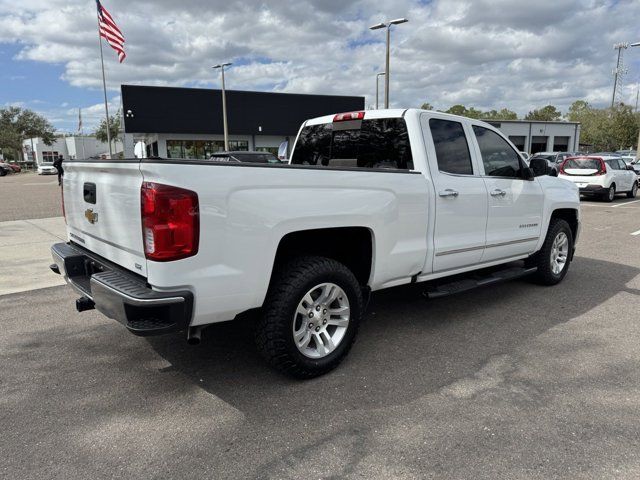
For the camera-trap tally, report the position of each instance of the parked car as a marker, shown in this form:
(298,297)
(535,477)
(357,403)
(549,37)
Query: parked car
(370,200)
(245,157)
(5,169)
(15,167)
(550,159)
(600,176)
(557,157)
(633,166)
(628,153)
(47,170)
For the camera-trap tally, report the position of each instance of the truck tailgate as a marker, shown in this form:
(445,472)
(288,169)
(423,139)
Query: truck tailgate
(102,206)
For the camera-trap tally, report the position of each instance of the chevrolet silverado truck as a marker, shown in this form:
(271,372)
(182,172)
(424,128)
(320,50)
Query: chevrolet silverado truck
(369,200)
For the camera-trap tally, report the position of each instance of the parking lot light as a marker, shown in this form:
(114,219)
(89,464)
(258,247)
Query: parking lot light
(224,104)
(387,25)
(378,75)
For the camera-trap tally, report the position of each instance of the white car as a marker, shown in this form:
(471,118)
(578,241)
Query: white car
(600,176)
(370,200)
(47,170)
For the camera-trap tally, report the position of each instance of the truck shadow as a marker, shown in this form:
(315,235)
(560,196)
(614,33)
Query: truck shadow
(407,346)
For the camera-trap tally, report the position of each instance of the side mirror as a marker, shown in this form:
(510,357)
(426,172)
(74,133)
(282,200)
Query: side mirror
(527,173)
(630,167)
(539,166)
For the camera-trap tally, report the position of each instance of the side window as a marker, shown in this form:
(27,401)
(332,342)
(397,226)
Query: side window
(613,164)
(498,157)
(452,149)
(622,165)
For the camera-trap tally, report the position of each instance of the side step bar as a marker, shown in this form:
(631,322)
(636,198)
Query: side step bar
(464,284)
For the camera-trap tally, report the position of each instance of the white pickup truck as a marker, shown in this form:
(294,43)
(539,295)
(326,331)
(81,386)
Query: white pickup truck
(369,200)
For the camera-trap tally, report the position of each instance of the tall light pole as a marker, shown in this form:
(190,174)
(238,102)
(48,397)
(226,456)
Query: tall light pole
(637,44)
(378,75)
(224,105)
(387,25)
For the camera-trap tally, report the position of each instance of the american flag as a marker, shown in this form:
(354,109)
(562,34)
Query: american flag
(110,31)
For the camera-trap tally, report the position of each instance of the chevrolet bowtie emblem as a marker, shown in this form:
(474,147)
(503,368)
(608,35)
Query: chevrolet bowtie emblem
(91,216)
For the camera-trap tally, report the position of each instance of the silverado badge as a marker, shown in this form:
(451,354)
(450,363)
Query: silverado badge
(91,216)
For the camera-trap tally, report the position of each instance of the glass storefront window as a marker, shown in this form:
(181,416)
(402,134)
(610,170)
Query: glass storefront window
(273,150)
(201,149)
(238,145)
(174,149)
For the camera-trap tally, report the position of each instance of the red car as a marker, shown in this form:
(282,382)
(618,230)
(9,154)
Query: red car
(16,168)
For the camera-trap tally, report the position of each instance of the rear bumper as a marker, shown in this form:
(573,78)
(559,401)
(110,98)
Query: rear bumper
(593,190)
(121,295)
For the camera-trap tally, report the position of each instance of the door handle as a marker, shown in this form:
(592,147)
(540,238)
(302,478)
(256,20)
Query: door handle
(449,192)
(498,193)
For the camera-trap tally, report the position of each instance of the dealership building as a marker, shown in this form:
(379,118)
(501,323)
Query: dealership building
(537,136)
(187,122)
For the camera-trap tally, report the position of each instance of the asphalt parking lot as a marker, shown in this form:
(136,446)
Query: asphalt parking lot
(513,381)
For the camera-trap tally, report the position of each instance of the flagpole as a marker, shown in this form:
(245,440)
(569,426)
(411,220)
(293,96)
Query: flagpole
(104,87)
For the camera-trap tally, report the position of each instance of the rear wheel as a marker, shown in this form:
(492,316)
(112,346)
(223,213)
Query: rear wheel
(554,257)
(310,317)
(634,191)
(610,195)
(3,172)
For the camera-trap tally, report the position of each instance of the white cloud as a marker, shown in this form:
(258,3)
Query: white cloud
(482,53)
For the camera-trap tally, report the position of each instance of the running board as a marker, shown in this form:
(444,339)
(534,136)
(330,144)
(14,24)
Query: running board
(462,285)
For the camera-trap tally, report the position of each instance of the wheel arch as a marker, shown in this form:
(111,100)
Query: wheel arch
(570,215)
(351,246)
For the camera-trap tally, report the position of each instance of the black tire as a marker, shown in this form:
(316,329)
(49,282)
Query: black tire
(274,330)
(3,172)
(634,191)
(611,194)
(542,259)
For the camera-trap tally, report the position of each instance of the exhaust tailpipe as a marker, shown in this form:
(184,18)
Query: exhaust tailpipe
(194,335)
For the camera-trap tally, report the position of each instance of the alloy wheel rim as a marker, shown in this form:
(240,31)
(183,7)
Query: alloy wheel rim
(612,193)
(321,320)
(559,253)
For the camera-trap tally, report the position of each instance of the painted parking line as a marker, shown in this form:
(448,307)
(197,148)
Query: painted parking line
(637,232)
(625,203)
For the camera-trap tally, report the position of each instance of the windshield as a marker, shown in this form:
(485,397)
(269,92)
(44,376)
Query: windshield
(376,143)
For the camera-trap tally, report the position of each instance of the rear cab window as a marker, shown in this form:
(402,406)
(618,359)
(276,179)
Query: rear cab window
(379,143)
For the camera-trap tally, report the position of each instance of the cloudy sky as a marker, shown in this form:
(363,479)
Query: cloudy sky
(519,54)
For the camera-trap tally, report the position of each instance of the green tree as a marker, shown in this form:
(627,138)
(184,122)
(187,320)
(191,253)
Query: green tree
(114,129)
(502,114)
(548,113)
(426,106)
(464,111)
(17,124)
(605,128)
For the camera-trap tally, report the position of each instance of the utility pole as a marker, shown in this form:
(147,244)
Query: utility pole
(618,72)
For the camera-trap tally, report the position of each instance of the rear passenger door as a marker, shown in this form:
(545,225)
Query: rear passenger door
(515,205)
(460,195)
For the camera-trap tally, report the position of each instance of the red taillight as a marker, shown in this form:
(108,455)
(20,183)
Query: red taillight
(344,117)
(64,213)
(170,222)
(562,167)
(603,168)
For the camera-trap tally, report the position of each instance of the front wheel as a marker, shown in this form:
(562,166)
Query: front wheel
(634,191)
(554,257)
(310,317)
